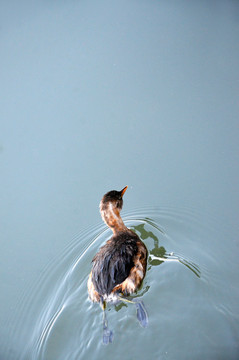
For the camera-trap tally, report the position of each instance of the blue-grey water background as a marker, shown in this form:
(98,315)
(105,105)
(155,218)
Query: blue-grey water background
(96,95)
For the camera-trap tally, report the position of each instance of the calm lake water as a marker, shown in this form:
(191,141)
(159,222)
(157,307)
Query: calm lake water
(95,96)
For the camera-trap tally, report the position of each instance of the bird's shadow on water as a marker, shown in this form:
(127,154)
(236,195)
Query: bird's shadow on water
(158,254)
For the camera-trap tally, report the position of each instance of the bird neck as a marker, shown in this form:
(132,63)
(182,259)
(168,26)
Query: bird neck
(112,218)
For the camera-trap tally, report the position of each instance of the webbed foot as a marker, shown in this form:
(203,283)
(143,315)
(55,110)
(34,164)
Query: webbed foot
(107,336)
(141,312)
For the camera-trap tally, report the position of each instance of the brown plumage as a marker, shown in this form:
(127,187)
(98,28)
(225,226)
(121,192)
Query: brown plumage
(120,265)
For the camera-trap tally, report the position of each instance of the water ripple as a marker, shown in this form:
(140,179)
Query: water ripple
(62,321)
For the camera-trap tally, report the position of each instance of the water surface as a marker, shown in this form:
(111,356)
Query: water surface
(95,96)
(183,292)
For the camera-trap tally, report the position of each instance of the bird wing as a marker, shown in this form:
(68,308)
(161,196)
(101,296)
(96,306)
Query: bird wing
(112,264)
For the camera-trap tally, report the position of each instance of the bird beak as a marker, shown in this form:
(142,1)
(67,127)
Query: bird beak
(123,190)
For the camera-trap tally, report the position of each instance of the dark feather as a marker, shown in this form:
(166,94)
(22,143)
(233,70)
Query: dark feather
(113,262)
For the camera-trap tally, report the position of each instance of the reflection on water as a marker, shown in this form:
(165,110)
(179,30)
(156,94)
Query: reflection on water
(158,255)
(65,324)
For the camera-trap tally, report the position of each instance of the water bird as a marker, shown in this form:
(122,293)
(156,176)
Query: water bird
(119,267)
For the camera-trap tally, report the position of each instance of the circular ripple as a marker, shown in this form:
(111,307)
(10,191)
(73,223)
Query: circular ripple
(62,322)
